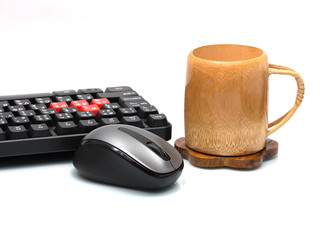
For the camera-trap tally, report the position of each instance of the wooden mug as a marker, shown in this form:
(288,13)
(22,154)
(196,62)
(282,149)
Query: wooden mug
(226,99)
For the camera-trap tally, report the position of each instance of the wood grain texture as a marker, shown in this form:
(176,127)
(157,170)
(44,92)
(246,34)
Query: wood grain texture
(226,99)
(210,161)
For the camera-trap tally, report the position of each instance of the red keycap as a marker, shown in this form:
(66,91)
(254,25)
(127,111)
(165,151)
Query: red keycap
(58,105)
(79,104)
(93,108)
(100,101)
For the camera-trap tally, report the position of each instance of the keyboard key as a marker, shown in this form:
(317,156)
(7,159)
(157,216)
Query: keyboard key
(58,105)
(16,121)
(63,128)
(79,104)
(1,110)
(3,123)
(114,96)
(72,110)
(16,132)
(39,130)
(87,97)
(92,108)
(90,91)
(48,111)
(126,112)
(122,100)
(99,102)
(84,116)
(6,115)
(157,120)
(118,89)
(45,101)
(66,99)
(26,113)
(105,113)
(2,135)
(37,106)
(63,117)
(136,104)
(129,94)
(64,93)
(114,106)
(4,104)
(23,102)
(108,121)
(133,120)
(40,119)
(144,111)
(15,109)
(87,125)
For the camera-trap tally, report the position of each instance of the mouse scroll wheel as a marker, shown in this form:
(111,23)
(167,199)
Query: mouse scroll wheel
(157,150)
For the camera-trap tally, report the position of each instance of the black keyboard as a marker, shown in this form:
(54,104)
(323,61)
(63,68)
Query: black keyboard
(56,122)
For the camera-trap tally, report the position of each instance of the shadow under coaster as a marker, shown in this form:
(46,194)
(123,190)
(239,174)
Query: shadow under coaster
(211,161)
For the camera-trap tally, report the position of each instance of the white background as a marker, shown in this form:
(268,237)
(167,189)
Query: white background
(66,44)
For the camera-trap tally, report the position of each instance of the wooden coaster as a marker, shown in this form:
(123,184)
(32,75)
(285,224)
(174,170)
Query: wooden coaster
(211,161)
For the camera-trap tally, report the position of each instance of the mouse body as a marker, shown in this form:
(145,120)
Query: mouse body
(128,156)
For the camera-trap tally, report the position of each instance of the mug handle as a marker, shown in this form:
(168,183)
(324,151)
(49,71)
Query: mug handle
(277,69)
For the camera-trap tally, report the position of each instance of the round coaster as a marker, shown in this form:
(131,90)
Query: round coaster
(211,161)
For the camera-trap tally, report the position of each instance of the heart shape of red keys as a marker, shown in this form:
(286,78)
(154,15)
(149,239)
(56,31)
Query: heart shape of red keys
(82,105)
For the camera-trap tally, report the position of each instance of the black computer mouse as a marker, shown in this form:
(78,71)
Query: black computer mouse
(128,156)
